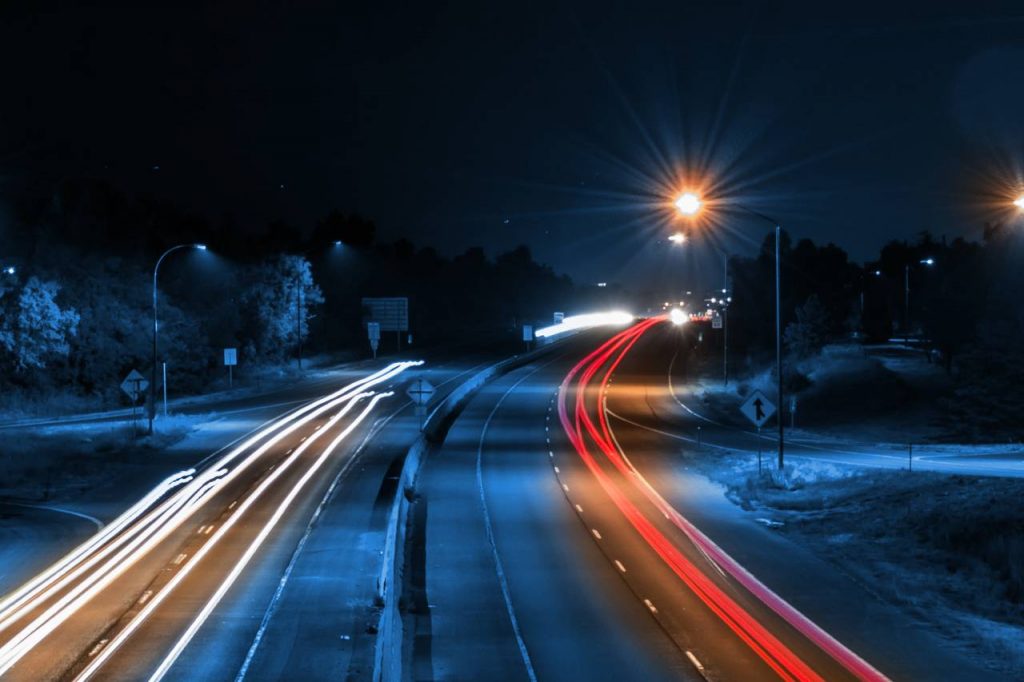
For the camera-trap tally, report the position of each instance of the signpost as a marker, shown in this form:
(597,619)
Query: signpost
(230,360)
(134,385)
(716,320)
(758,409)
(373,333)
(421,391)
(392,314)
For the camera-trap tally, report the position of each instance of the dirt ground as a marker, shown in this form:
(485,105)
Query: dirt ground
(949,549)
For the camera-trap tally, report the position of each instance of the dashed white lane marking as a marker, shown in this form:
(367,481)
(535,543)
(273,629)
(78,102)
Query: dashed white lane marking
(565,487)
(232,505)
(618,565)
(202,529)
(289,452)
(696,664)
(96,649)
(209,530)
(303,439)
(551,453)
(145,596)
(579,509)
(557,470)
(649,605)
(596,533)
(178,559)
(318,427)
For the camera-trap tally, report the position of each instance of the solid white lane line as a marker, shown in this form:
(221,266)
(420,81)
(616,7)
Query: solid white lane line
(498,566)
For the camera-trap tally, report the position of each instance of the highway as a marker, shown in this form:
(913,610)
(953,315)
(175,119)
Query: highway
(559,542)
(202,562)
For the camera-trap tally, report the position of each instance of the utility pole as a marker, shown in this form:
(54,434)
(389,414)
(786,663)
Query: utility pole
(906,302)
(778,336)
(725,320)
(298,318)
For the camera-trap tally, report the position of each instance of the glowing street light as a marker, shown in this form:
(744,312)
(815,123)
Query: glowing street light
(152,383)
(1019,203)
(678,238)
(688,203)
(677,317)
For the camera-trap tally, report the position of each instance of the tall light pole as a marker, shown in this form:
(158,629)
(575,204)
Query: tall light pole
(679,238)
(156,325)
(906,295)
(689,204)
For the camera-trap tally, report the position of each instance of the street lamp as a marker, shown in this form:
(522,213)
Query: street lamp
(689,204)
(1019,203)
(906,295)
(156,324)
(9,270)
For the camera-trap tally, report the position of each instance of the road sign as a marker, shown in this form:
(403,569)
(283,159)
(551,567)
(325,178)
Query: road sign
(559,318)
(757,408)
(134,385)
(527,332)
(421,391)
(716,320)
(230,356)
(391,314)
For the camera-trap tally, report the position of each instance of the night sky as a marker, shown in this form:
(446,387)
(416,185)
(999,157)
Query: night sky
(566,126)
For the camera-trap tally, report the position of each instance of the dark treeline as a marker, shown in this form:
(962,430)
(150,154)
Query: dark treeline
(76,315)
(959,301)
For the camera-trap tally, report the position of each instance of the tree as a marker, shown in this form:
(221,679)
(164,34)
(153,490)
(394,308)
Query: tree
(808,334)
(34,327)
(276,305)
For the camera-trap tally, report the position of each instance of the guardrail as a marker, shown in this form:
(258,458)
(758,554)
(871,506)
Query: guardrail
(387,655)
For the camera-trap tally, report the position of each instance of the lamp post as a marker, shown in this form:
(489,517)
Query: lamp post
(679,238)
(156,324)
(689,204)
(906,295)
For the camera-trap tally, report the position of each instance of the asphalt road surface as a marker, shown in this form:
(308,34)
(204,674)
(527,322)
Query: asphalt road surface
(561,542)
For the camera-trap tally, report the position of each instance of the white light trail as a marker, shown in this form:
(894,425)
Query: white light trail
(576,322)
(156,600)
(154,527)
(255,545)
